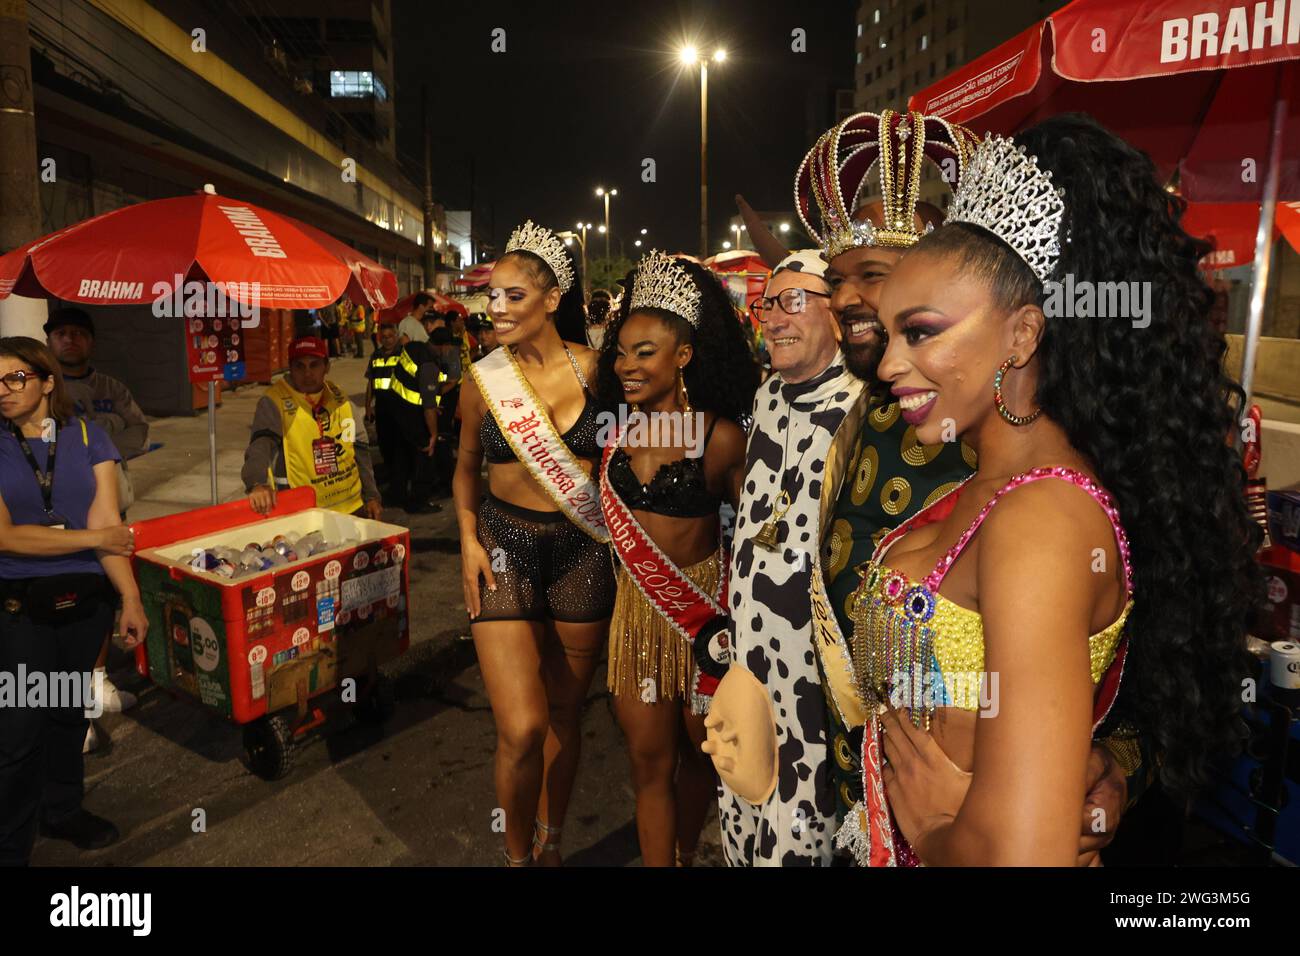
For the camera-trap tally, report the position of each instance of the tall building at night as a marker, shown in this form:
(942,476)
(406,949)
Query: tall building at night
(343,51)
(902,46)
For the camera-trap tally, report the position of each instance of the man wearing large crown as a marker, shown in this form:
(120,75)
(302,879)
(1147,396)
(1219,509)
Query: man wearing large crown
(858,193)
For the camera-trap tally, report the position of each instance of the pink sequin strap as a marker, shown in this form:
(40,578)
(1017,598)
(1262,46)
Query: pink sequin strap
(935,578)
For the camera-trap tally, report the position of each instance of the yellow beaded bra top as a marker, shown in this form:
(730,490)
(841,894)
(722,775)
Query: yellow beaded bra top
(914,647)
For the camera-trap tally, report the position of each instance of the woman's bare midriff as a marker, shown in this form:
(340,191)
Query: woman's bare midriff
(512,483)
(953,730)
(685,541)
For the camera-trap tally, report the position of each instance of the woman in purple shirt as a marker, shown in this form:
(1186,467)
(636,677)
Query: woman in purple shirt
(61,544)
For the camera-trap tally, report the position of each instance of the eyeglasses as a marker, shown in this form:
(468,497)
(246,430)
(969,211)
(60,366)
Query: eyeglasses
(17,381)
(792,302)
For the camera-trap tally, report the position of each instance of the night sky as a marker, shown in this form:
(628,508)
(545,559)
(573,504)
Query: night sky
(586,90)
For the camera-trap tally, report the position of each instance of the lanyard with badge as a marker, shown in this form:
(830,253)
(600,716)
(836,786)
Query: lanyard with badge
(44,479)
(324,450)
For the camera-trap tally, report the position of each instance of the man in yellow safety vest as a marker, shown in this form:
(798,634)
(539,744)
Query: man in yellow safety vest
(305,432)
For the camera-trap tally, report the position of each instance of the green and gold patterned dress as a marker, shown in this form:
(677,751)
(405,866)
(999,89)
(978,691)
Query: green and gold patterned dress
(890,477)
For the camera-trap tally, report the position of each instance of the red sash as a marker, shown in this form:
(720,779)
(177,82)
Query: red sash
(670,592)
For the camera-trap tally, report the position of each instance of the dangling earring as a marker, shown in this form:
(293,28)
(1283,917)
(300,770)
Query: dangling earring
(681,388)
(1001,403)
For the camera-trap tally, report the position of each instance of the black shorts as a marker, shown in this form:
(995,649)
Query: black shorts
(549,567)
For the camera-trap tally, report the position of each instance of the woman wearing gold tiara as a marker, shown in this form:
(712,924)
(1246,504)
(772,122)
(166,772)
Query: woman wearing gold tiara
(536,571)
(1104,534)
(678,358)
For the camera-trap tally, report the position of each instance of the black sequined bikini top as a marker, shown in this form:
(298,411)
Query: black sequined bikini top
(678,489)
(581,436)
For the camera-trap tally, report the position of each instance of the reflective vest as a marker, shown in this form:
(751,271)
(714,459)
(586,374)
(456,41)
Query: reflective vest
(381,375)
(406,373)
(320,454)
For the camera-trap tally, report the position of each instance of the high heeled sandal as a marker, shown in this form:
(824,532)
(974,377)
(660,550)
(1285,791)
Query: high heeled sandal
(546,845)
(525,860)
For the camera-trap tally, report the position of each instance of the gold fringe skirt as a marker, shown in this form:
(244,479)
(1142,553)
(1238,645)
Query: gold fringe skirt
(648,658)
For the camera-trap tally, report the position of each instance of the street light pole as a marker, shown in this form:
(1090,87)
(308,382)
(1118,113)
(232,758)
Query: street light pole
(583,246)
(581,236)
(704,158)
(607,193)
(689,56)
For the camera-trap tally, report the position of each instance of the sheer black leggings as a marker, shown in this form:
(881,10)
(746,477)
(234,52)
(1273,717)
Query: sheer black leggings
(544,565)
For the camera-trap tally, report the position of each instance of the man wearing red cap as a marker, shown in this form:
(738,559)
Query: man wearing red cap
(305,432)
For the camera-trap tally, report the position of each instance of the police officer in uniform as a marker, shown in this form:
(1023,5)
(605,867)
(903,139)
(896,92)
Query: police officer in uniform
(415,386)
(382,403)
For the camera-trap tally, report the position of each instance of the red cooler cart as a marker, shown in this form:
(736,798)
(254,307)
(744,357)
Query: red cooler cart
(266,648)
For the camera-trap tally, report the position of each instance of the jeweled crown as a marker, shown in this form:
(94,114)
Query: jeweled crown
(832,176)
(1005,192)
(663,284)
(544,244)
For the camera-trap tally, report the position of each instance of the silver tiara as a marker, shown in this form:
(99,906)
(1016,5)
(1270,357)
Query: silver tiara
(1004,191)
(662,284)
(544,244)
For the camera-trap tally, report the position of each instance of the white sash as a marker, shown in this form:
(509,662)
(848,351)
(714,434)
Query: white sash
(535,442)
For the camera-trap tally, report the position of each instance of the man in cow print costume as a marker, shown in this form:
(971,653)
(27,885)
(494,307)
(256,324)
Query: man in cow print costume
(796,414)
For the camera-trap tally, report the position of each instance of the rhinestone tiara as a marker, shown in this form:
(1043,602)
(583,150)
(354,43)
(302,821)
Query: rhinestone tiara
(544,244)
(663,284)
(1005,192)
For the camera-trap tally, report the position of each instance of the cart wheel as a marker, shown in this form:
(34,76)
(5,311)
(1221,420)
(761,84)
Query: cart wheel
(268,747)
(379,704)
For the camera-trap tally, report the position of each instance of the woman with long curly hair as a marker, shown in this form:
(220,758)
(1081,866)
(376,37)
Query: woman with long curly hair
(536,572)
(1104,533)
(677,356)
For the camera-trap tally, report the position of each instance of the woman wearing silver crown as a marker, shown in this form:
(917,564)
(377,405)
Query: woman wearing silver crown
(1104,534)
(536,571)
(677,360)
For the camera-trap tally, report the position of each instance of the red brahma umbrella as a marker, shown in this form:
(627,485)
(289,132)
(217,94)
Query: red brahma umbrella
(142,254)
(132,255)
(441,303)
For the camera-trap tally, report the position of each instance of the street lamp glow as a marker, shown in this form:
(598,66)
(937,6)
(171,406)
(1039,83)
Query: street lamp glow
(600,190)
(602,229)
(568,241)
(637,243)
(719,55)
(643,232)
(726,245)
(785,227)
(687,55)
(613,192)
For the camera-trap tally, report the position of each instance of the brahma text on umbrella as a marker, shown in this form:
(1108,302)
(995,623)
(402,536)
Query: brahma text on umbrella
(255,232)
(1251,27)
(107,289)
